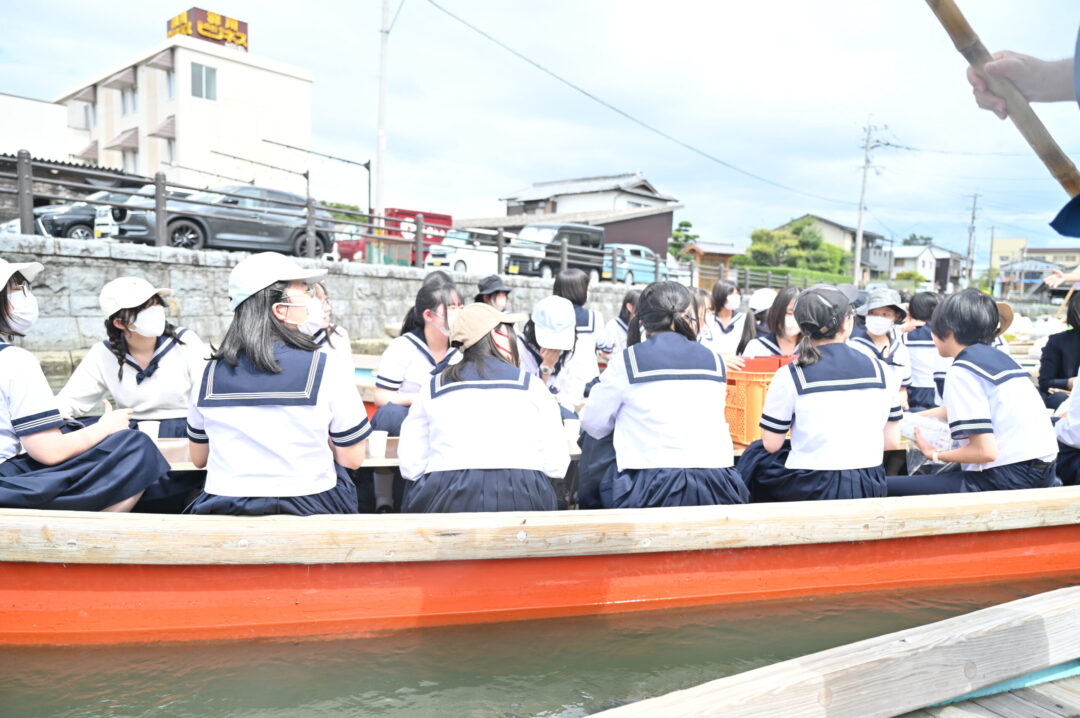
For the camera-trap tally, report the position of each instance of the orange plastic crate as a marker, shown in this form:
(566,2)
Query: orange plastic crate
(745,400)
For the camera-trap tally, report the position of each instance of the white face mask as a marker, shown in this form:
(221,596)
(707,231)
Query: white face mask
(150,322)
(500,303)
(733,302)
(791,327)
(878,326)
(23,311)
(313,322)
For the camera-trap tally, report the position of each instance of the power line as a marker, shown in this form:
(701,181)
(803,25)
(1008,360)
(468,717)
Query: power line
(909,148)
(632,118)
(394,21)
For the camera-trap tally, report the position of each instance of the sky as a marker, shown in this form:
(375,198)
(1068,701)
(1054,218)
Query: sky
(781,89)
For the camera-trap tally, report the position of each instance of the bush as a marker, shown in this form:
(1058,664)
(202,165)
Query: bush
(797,275)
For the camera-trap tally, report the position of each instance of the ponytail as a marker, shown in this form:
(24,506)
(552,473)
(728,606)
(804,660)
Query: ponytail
(808,353)
(432,295)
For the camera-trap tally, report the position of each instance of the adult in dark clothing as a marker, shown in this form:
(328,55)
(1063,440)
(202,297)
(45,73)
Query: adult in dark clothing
(1061,359)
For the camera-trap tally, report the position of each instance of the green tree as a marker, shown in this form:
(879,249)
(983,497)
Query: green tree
(912,275)
(680,238)
(918,239)
(798,245)
(352,213)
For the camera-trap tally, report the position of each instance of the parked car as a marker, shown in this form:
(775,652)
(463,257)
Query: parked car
(75,220)
(106,225)
(466,251)
(231,222)
(538,248)
(636,264)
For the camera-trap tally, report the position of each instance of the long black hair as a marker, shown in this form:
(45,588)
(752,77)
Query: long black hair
(662,307)
(720,292)
(777,314)
(630,298)
(116,339)
(970,316)
(255,330)
(432,295)
(572,284)
(477,354)
(16,280)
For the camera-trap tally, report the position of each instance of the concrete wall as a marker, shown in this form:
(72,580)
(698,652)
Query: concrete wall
(366,298)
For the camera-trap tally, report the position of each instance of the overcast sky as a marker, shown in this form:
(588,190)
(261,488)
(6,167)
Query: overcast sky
(781,89)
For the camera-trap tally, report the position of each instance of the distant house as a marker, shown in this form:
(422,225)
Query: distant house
(716,255)
(875,255)
(914,258)
(951,269)
(625,191)
(1064,257)
(1022,278)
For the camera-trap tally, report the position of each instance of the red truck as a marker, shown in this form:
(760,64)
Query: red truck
(400,224)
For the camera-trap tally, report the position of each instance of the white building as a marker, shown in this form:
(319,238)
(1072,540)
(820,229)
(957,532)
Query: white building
(913,258)
(37,126)
(587,194)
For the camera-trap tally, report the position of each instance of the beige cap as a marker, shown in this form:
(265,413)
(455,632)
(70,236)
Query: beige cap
(127,293)
(28,269)
(476,321)
(1005,317)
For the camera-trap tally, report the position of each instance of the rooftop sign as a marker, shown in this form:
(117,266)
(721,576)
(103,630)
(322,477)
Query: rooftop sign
(209,26)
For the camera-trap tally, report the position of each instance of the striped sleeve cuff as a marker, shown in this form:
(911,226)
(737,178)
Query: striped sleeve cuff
(199,436)
(27,425)
(351,436)
(382,382)
(967,427)
(906,382)
(776,425)
(896,413)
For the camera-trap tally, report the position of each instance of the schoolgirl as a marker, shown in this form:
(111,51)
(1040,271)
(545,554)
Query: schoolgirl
(493,290)
(926,362)
(546,346)
(146,364)
(104,467)
(840,406)
(761,301)
(665,454)
(782,337)
(991,405)
(283,423)
(329,336)
(730,328)
(483,435)
(573,285)
(613,339)
(879,338)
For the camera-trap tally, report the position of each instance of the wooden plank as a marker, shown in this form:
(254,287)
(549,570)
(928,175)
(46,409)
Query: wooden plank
(1059,693)
(895,673)
(1036,696)
(1009,705)
(963,710)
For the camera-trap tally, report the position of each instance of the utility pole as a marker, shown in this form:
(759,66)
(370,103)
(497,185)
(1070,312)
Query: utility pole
(990,262)
(856,261)
(971,238)
(380,148)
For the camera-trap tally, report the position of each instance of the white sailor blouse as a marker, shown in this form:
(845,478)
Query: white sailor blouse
(725,341)
(895,356)
(588,324)
(613,339)
(836,409)
(926,362)
(407,365)
(160,391)
(29,406)
(505,419)
(338,343)
(268,432)
(567,381)
(664,399)
(763,345)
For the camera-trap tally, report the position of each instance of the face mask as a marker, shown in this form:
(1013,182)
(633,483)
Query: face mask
(878,326)
(150,322)
(23,311)
(314,320)
(500,303)
(733,302)
(791,327)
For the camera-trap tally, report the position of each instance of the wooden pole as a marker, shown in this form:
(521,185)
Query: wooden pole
(1020,112)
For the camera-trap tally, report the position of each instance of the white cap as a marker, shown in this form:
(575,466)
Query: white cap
(762,299)
(27,269)
(127,293)
(259,271)
(554,321)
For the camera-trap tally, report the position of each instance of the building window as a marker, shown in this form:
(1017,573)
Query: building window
(89,116)
(203,81)
(170,151)
(130,160)
(170,84)
(129,100)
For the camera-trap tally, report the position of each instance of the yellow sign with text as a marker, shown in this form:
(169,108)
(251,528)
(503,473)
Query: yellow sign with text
(209,26)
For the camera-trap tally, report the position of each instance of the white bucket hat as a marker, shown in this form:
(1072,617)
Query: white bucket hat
(30,270)
(127,293)
(554,321)
(259,271)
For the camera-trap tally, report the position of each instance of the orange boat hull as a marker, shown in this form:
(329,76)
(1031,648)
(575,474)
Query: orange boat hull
(55,603)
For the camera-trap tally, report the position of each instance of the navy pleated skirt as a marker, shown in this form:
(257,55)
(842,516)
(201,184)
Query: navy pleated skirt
(1033,474)
(479,490)
(169,428)
(769,480)
(1068,464)
(597,463)
(119,467)
(339,500)
(920,397)
(647,488)
(389,418)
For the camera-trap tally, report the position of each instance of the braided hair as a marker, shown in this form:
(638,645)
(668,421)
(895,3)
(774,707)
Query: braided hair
(118,343)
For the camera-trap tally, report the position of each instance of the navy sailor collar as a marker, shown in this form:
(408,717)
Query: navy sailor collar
(162,346)
(297,384)
(861,336)
(585,319)
(496,375)
(671,356)
(841,368)
(919,337)
(989,363)
(622,324)
(734,320)
(418,340)
(768,340)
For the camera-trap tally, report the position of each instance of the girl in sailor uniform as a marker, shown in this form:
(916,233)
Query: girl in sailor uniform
(452,466)
(782,337)
(329,336)
(283,422)
(992,408)
(147,364)
(730,328)
(840,406)
(573,285)
(879,338)
(104,467)
(665,454)
(613,339)
(926,362)
(546,348)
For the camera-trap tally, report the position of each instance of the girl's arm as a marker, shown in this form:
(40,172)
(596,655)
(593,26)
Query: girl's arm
(50,447)
(199,453)
(387,396)
(892,435)
(938,412)
(772,441)
(980,449)
(86,388)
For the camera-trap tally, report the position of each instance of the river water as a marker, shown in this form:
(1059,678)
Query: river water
(564,667)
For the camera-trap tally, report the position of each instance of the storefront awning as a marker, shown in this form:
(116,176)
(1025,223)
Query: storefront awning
(162,61)
(121,80)
(166,130)
(126,140)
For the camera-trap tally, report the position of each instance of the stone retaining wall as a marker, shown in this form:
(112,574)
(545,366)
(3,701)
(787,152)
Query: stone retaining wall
(366,298)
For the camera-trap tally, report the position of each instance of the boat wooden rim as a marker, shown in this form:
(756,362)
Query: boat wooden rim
(108,538)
